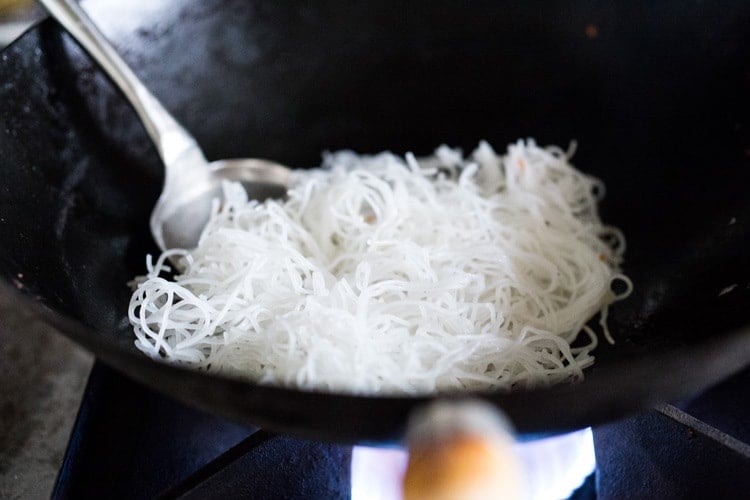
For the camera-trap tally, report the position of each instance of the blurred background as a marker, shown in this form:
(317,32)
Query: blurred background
(39,401)
(15,17)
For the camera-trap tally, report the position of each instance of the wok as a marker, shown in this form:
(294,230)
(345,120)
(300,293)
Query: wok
(655,93)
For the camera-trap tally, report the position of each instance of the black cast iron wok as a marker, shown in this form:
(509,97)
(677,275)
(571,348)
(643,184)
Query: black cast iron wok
(655,93)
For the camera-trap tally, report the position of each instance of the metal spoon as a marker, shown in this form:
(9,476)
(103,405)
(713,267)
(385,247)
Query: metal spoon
(191,182)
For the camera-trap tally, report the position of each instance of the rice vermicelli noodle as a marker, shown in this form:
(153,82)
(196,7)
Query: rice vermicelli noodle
(383,274)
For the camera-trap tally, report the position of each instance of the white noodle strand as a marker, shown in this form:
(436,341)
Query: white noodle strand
(380,274)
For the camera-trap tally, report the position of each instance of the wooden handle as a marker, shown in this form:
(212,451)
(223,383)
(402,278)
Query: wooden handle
(461,450)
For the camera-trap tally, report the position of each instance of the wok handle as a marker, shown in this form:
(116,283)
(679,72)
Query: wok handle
(170,138)
(461,449)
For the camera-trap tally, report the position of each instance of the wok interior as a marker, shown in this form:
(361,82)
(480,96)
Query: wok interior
(656,99)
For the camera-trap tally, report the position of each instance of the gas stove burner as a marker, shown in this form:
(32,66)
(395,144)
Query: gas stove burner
(554,467)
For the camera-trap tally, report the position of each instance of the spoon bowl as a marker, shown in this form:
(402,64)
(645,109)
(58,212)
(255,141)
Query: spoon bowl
(181,214)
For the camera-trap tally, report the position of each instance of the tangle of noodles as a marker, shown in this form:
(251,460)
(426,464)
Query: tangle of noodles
(381,274)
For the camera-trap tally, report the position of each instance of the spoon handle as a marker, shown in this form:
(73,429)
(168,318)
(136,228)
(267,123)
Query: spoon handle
(170,138)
